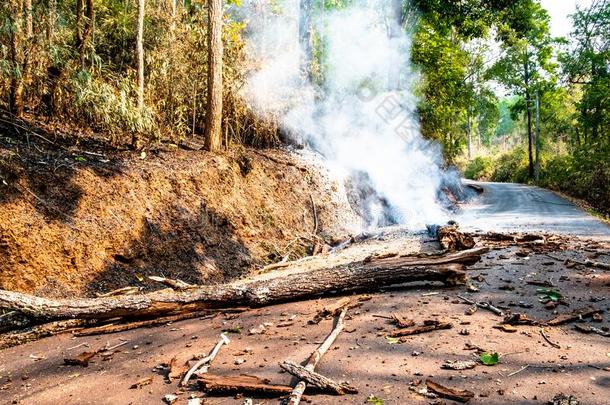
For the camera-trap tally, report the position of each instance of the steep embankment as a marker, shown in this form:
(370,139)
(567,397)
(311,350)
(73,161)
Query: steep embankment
(73,223)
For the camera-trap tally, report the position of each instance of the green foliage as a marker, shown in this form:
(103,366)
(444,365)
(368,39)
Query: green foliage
(489,359)
(548,294)
(372,399)
(480,168)
(583,172)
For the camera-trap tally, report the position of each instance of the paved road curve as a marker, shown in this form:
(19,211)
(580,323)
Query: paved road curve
(517,207)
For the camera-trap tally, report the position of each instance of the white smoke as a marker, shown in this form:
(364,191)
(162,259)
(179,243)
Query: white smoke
(362,116)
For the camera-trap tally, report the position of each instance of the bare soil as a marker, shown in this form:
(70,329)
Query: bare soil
(81,219)
(530,370)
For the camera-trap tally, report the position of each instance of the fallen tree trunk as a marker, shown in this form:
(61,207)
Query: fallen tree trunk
(258,291)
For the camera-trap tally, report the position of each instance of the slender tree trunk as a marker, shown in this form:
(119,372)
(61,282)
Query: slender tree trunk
(26,49)
(140,53)
(469,136)
(305,37)
(213,134)
(530,142)
(15,102)
(86,33)
(395,31)
(537,138)
(52,20)
(79,24)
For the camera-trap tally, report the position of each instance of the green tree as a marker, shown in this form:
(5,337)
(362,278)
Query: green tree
(526,68)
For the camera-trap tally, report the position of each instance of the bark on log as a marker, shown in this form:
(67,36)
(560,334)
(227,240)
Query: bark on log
(262,290)
(314,379)
(214,384)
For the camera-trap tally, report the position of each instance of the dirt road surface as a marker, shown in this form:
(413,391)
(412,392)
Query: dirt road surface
(517,207)
(530,370)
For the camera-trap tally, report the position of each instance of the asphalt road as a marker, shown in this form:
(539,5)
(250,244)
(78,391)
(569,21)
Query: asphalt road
(517,207)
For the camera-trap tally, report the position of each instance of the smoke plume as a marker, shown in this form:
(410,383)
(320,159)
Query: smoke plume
(341,82)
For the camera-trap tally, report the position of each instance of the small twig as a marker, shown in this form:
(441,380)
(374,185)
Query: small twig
(77,346)
(484,305)
(518,371)
(106,348)
(208,359)
(315,215)
(382,316)
(7,315)
(555,345)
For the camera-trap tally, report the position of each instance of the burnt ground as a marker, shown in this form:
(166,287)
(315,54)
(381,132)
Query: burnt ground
(34,373)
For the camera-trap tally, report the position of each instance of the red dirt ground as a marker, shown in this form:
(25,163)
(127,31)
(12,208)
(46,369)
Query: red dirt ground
(35,374)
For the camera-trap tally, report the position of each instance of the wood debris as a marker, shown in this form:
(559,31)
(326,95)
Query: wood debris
(449,393)
(576,315)
(451,239)
(459,365)
(427,326)
(314,379)
(141,383)
(255,291)
(298,390)
(84,358)
(205,361)
(80,360)
(591,329)
(519,319)
(175,371)
(175,284)
(243,384)
(561,399)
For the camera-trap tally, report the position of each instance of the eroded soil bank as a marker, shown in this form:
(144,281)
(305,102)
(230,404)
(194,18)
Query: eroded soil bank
(79,220)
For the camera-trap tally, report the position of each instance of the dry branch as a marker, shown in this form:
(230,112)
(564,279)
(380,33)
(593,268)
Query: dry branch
(208,359)
(428,326)
(258,291)
(316,356)
(573,316)
(30,334)
(121,327)
(318,380)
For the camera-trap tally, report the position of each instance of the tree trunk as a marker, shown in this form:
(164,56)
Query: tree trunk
(140,53)
(213,120)
(16,90)
(529,117)
(79,25)
(395,31)
(87,31)
(261,290)
(305,37)
(52,20)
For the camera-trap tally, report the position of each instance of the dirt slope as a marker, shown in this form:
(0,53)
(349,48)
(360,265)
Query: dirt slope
(72,223)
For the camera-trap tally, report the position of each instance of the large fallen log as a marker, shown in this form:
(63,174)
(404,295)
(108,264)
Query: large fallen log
(257,291)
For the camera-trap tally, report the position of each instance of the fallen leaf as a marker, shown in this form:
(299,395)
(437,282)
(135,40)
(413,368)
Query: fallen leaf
(489,359)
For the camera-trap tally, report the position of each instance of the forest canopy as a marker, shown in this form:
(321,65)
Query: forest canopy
(505,99)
